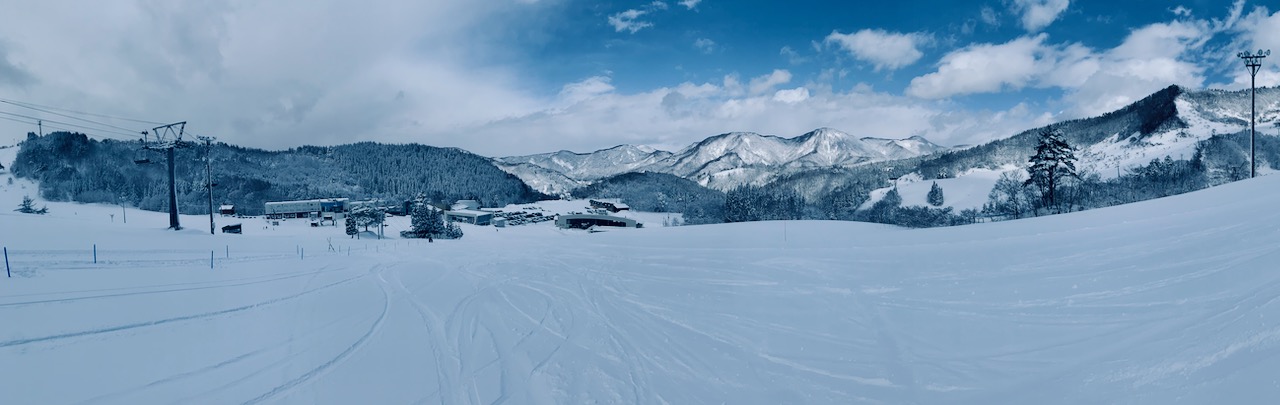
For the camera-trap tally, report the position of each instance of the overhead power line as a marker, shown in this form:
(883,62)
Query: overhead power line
(115,134)
(81,112)
(68,116)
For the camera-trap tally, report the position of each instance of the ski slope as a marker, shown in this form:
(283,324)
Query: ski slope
(1174,300)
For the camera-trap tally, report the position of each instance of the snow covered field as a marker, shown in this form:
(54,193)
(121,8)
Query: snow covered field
(1174,300)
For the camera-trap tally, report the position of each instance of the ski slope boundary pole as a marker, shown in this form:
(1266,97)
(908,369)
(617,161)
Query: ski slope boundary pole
(6,263)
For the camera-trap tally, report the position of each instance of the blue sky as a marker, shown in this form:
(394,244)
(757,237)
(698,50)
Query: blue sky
(504,77)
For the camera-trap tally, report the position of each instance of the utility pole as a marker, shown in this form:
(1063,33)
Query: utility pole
(40,124)
(208,175)
(169,137)
(1253,62)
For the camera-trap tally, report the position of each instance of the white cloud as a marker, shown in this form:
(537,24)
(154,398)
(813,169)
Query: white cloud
(766,83)
(629,21)
(658,5)
(990,17)
(706,45)
(672,118)
(1094,82)
(1038,14)
(791,96)
(690,4)
(983,68)
(1259,30)
(586,89)
(885,50)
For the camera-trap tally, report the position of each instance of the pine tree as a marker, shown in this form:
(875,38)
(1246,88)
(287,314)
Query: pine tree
(28,206)
(351,227)
(1053,161)
(935,195)
(423,217)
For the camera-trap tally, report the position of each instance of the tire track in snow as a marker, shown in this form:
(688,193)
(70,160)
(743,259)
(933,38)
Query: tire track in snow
(204,315)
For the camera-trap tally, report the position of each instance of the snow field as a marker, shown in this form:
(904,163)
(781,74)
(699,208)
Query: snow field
(1175,300)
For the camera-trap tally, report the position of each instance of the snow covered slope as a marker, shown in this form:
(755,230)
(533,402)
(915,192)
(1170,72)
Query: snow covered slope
(1193,116)
(1175,300)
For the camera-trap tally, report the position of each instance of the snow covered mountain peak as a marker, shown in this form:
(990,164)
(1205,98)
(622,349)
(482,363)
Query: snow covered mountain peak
(721,161)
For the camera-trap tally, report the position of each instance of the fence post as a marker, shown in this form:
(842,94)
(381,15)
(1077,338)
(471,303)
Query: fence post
(6,262)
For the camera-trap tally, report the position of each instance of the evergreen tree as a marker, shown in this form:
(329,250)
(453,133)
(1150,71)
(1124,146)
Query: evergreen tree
(28,206)
(935,195)
(1054,160)
(351,227)
(425,220)
(883,211)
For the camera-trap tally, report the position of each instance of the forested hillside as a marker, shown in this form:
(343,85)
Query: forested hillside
(660,192)
(72,167)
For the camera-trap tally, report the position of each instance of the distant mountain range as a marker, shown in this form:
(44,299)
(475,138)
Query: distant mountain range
(1173,122)
(720,162)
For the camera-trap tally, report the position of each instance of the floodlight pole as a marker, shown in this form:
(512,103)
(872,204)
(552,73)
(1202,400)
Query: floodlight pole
(1253,62)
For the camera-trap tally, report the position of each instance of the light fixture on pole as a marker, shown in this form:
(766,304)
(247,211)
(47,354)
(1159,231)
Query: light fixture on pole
(1253,61)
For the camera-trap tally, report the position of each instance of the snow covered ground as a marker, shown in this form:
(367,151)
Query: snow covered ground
(1174,300)
(968,190)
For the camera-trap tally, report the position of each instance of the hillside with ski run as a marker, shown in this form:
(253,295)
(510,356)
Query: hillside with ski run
(1174,300)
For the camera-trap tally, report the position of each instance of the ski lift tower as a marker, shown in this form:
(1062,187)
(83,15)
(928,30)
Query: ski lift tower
(167,138)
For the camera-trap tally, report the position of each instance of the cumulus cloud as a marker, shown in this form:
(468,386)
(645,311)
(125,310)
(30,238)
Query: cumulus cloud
(1035,15)
(1094,81)
(791,96)
(883,49)
(690,4)
(983,68)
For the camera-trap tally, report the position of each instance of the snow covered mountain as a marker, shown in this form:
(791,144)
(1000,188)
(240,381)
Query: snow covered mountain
(1211,126)
(722,162)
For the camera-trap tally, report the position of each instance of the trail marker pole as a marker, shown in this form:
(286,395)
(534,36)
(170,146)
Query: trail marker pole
(95,253)
(210,259)
(6,263)
(228,251)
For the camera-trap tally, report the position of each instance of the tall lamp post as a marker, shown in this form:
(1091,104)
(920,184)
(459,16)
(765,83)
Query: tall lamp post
(1253,61)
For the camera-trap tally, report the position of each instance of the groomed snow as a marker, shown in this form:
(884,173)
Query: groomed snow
(1174,300)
